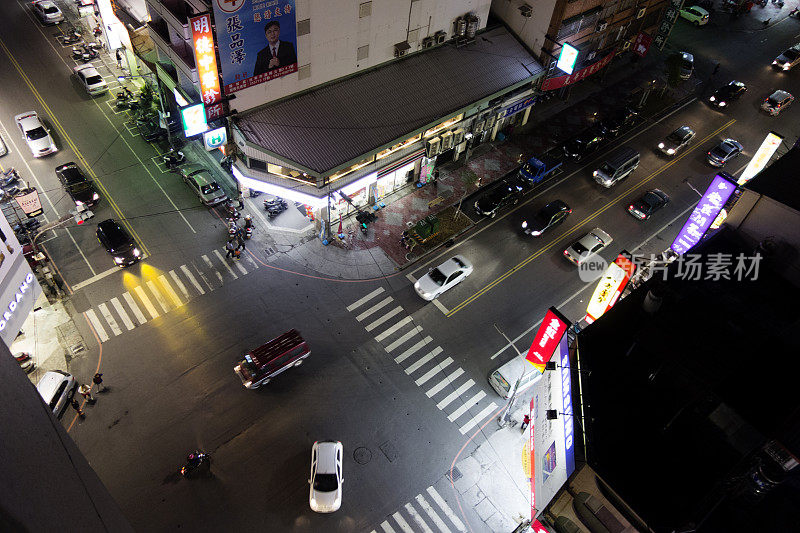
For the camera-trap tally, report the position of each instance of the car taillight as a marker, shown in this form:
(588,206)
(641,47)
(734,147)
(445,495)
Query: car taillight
(630,207)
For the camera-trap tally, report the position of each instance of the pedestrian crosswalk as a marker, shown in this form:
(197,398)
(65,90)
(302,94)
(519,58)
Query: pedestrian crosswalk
(426,508)
(431,369)
(165,292)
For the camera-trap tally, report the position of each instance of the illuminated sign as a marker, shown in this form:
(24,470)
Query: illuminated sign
(561,81)
(761,157)
(206,62)
(567,58)
(704,214)
(194,120)
(181,101)
(30,203)
(544,343)
(566,397)
(215,138)
(532,448)
(610,288)
(18,297)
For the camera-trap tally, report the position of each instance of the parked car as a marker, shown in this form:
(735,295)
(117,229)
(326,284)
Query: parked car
(649,203)
(91,80)
(696,15)
(685,65)
(502,195)
(788,59)
(588,245)
(56,389)
(443,277)
(48,12)
(77,186)
(583,144)
(325,494)
(200,180)
(777,102)
(676,140)
(550,215)
(118,242)
(724,152)
(616,121)
(727,93)
(36,135)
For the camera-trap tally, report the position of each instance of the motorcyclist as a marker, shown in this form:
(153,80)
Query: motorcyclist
(248,222)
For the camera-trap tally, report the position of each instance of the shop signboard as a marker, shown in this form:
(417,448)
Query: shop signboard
(562,81)
(761,157)
(215,138)
(667,22)
(194,120)
(704,214)
(567,58)
(550,332)
(257,41)
(18,286)
(30,203)
(642,44)
(610,287)
(206,61)
(518,106)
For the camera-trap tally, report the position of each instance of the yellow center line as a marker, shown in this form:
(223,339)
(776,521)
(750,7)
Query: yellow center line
(71,144)
(582,223)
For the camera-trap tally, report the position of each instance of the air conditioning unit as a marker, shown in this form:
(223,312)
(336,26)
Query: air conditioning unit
(432,148)
(427,42)
(526,11)
(477,127)
(458,136)
(447,141)
(591,55)
(626,45)
(602,25)
(440,36)
(400,49)
(641,12)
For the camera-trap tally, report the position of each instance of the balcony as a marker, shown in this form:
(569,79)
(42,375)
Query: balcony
(181,54)
(174,13)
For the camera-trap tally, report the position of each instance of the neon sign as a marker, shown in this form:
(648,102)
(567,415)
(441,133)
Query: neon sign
(566,395)
(544,343)
(18,297)
(206,61)
(704,214)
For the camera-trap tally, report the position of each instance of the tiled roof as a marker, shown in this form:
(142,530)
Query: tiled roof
(336,123)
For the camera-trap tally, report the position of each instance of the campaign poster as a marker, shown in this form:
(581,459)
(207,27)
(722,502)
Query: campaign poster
(257,41)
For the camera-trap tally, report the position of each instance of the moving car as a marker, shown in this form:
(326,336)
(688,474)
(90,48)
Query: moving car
(91,80)
(490,203)
(788,58)
(325,494)
(56,389)
(649,203)
(615,122)
(583,144)
(117,241)
(443,277)
(777,102)
(553,213)
(203,184)
(48,12)
(727,94)
(696,15)
(588,245)
(77,186)
(676,140)
(724,152)
(35,134)
(685,65)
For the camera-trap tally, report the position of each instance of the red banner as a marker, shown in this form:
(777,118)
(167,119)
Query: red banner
(547,338)
(562,81)
(642,44)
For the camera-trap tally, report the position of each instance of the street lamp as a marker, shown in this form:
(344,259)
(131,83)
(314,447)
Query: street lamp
(161,111)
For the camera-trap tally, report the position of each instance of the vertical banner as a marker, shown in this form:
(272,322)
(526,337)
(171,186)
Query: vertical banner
(547,337)
(257,41)
(206,62)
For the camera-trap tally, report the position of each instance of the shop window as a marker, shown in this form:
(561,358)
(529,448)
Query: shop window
(398,146)
(257,164)
(364,162)
(303,27)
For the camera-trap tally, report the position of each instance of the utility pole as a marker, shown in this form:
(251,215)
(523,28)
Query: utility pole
(505,417)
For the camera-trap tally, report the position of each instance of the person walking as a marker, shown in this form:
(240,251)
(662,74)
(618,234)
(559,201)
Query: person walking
(230,246)
(75,405)
(119,59)
(241,201)
(240,240)
(98,380)
(86,392)
(525,421)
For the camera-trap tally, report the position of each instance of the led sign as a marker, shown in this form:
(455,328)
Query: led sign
(194,120)
(215,138)
(567,58)
(610,287)
(18,297)
(206,61)
(547,337)
(704,214)
(761,157)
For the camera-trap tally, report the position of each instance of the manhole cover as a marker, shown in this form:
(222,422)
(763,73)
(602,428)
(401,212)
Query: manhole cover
(454,474)
(362,455)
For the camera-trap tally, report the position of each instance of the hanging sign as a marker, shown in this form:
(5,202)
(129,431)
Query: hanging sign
(30,203)
(206,61)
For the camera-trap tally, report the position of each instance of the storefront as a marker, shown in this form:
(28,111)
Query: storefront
(19,288)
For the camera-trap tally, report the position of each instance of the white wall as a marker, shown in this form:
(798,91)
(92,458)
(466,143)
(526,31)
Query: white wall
(531,30)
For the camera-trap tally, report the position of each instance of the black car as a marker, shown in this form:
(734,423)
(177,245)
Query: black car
(118,242)
(618,120)
(553,213)
(648,204)
(76,185)
(585,143)
(150,130)
(726,94)
(490,203)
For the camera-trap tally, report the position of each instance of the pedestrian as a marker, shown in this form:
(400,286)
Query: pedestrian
(98,380)
(86,392)
(240,240)
(75,405)
(716,69)
(525,421)
(230,246)
(119,59)
(241,201)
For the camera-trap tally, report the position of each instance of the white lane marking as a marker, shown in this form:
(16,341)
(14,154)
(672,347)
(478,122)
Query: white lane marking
(477,419)
(411,278)
(392,329)
(403,356)
(109,319)
(432,514)
(192,279)
(210,265)
(159,297)
(146,301)
(397,310)
(374,308)
(224,262)
(446,509)
(94,278)
(402,523)
(466,406)
(417,518)
(366,298)
(179,283)
(422,360)
(135,308)
(170,292)
(386,528)
(455,394)
(96,325)
(251,261)
(404,338)
(122,314)
(439,305)
(445,382)
(239,266)
(433,371)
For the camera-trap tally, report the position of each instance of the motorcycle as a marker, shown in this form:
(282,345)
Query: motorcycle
(25,361)
(173,158)
(196,462)
(272,213)
(233,228)
(233,213)
(254,193)
(70,38)
(10,177)
(85,52)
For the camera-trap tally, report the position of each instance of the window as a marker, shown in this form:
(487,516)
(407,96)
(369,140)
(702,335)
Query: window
(258,164)
(364,10)
(303,27)
(362,52)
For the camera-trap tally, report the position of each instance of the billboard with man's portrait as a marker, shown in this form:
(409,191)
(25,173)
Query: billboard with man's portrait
(257,41)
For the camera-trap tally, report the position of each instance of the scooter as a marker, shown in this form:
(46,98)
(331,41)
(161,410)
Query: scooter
(248,232)
(173,158)
(196,462)
(10,177)
(273,212)
(70,38)
(233,228)
(85,52)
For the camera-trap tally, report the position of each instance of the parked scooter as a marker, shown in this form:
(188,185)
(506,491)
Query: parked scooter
(173,158)
(248,226)
(70,38)
(10,177)
(85,52)
(25,361)
(197,462)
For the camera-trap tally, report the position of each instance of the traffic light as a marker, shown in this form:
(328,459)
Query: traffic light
(81,214)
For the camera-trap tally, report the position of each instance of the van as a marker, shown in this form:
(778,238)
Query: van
(262,364)
(617,166)
(504,379)
(56,389)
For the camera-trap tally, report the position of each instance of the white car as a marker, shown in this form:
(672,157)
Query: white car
(35,134)
(91,80)
(443,277)
(326,479)
(587,246)
(788,58)
(56,389)
(695,14)
(48,12)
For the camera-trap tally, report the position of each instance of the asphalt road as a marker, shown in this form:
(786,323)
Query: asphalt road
(171,380)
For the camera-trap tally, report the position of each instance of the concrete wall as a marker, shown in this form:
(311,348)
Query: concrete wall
(531,30)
